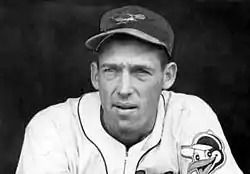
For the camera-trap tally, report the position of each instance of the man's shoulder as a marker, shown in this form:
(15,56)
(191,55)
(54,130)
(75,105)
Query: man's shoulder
(60,113)
(52,115)
(183,107)
(183,100)
(188,113)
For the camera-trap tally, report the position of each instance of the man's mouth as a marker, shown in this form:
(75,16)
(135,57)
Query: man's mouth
(125,106)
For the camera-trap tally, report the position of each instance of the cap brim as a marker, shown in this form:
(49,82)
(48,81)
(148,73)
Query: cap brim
(201,147)
(188,151)
(96,41)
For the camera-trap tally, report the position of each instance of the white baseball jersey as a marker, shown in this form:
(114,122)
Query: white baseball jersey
(68,138)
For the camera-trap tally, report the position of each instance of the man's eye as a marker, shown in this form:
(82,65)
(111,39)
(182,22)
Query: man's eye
(142,72)
(110,73)
(109,70)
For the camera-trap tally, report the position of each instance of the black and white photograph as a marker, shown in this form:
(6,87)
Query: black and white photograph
(124,86)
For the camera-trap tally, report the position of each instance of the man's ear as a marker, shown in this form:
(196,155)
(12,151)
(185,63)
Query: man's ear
(170,72)
(94,75)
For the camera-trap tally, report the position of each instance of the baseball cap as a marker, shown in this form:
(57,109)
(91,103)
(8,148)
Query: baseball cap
(135,21)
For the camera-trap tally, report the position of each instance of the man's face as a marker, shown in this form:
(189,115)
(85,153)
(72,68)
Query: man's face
(130,81)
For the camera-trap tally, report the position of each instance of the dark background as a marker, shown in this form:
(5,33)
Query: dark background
(43,61)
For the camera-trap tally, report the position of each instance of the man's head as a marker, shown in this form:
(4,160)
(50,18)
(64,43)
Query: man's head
(130,74)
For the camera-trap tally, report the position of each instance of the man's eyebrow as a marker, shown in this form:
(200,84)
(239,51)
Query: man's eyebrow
(131,67)
(145,67)
(109,65)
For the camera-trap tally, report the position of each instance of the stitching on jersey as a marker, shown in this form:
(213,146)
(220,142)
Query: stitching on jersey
(78,112)
(165,113)
(105,164)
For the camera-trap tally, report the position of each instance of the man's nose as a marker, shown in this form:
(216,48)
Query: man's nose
(124,86)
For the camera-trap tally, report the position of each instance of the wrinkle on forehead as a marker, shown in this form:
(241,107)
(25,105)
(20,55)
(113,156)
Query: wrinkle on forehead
(128,63)
(130,66)
(129,53)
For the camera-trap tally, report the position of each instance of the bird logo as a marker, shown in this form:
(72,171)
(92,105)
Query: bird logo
(127,17)
(206,152)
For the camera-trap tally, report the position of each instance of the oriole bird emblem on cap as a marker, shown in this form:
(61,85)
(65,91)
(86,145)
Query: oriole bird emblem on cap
(135,21)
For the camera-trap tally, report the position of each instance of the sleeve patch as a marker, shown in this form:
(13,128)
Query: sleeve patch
(206,153)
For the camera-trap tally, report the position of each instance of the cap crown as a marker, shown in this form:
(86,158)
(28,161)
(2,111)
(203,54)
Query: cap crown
(137,17)
(137,22)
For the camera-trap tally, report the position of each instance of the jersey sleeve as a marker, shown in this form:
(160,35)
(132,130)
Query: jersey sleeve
(202,146)
(42,151)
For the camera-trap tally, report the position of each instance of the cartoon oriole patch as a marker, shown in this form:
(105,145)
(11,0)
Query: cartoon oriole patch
(206,152)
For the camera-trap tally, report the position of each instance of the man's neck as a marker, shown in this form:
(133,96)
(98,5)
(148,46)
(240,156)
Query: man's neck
(128,139)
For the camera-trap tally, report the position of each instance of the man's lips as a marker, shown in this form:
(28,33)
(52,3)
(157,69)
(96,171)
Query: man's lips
(125,106)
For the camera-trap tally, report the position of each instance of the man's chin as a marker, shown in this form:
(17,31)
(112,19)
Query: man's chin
(126,125)
(129,127)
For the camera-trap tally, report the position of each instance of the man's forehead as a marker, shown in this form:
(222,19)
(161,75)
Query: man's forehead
(119,46)
(129,57)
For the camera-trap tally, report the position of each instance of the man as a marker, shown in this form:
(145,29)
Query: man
(133,124)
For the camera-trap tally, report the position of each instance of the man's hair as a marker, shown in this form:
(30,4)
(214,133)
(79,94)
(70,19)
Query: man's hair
(163,54)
